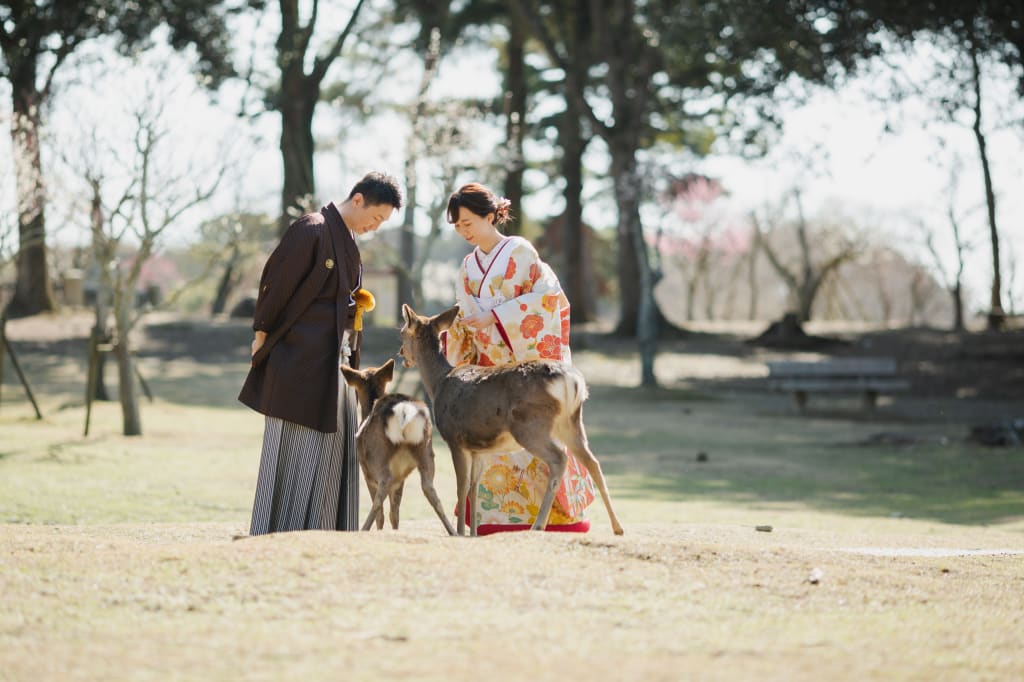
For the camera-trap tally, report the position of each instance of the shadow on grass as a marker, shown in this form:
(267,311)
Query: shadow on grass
(649,440)
(701,454)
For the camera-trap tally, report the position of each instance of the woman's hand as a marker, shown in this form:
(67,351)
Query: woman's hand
(479,320)
(257,342)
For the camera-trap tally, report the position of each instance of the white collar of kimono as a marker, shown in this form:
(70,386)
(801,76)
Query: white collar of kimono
(480,263)
(480,266)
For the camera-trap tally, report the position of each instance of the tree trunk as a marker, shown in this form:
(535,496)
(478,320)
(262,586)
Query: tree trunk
(407,238)
(628,201)
(996,315)
(102,334)
(645,314)
(691,295)
(227,283)
(131,417)
(515,119)
(755,243)
(297,147)
(958,307)
(33,292)
(805,302)
(407,288)
(102,257)
(575,248)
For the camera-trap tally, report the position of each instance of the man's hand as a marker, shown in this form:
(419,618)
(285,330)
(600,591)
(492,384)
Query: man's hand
(257,342)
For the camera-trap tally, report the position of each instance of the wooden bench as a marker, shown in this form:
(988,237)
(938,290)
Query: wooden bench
(868,376)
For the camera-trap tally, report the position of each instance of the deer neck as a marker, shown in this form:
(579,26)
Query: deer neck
(433,367)
(365,410)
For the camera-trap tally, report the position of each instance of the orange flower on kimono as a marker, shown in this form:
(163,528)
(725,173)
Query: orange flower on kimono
(550,302)
(565,330)
(550,347)
(484,361)
(513,507)
(499,479)
(531,326)
(510,271)
(534,272)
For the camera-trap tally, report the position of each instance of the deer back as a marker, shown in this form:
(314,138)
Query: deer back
(402,420)
(476,406)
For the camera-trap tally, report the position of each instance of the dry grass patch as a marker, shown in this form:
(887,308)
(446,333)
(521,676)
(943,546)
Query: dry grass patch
(665,602)
(126,558)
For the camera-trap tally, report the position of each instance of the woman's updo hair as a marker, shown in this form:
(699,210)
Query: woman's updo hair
(481,201)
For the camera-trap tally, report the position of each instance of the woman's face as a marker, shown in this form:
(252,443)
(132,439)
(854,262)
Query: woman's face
(474,228)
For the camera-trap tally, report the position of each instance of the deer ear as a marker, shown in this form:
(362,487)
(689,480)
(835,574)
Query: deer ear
(387,370)
(352,376)
(445,319)
(408,314)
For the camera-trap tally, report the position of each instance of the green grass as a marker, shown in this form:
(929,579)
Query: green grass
(127,558)
(197,459)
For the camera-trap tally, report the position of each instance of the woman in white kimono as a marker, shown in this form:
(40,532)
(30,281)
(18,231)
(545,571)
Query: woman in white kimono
(511,308)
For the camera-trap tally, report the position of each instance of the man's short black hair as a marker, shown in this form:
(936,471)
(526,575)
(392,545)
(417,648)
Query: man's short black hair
(378,189)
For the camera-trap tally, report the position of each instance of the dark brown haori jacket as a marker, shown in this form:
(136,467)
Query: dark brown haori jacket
(304,305)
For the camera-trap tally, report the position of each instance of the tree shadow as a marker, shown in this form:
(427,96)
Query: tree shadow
(701,450)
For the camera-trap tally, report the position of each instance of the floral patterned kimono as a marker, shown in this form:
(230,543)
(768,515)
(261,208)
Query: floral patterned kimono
(532,322)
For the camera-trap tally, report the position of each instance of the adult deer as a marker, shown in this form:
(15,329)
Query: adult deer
(393,439)
(535,405)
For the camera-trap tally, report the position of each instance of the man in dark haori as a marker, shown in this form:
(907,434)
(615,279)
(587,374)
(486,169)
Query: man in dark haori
(305,327)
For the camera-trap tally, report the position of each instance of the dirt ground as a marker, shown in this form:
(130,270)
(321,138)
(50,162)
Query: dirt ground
(128,559)
(665,602)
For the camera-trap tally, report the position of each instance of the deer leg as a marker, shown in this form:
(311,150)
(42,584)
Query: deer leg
(377,510)
(396,502)
(372,480)
(461,464)
(426,467)
(476,471)
(545,449)
(372,486)
(557,461)
(580,448)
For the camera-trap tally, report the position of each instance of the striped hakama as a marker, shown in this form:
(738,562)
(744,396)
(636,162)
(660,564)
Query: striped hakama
(309,480)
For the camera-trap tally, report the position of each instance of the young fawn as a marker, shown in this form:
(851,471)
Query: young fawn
(535,404)
(392,440)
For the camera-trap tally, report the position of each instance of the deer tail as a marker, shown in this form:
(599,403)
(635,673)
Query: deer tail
(569,389)
(406,424)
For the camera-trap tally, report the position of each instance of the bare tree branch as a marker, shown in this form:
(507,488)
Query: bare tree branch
(321,64)
(67,46)
(530,15)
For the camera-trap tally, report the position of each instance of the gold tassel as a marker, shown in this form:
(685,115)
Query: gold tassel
(364,303)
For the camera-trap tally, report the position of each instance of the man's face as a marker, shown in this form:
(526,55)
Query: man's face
(367,217)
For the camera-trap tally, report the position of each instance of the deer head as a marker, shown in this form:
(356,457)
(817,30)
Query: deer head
(369,384)
(421,334)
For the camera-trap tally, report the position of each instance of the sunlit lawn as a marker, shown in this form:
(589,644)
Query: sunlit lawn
(117,556)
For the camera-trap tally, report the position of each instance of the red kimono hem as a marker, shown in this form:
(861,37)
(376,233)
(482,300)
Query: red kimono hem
(491,528)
